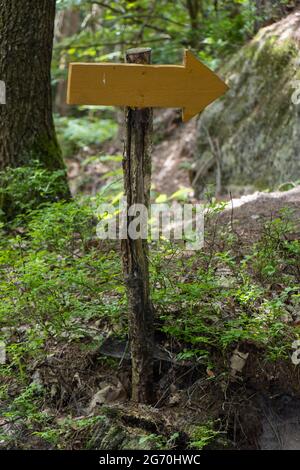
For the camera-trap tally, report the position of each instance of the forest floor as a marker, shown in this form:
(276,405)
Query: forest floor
(226,318)
(247,397)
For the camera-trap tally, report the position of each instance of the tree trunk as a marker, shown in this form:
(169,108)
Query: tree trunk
(67,24)
(26,123)
(137,181)
(194,7)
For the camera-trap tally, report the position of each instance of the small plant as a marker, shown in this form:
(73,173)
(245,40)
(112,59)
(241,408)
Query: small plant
(275,251)
(61,435)
(202,435)
(155,441)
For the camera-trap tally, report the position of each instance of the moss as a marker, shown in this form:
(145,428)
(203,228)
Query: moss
(112,433)
(113,438)
(46,150)
(275,58)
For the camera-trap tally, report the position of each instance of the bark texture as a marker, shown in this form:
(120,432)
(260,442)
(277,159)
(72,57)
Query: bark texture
(26,124)
(137,177)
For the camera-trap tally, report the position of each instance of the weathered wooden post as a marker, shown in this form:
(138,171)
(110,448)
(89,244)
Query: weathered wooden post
(137,181)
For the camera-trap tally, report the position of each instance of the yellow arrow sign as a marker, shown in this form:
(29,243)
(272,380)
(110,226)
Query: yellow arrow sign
(191,86)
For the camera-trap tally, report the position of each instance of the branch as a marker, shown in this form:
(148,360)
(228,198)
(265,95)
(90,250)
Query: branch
(110,44)
(105,5)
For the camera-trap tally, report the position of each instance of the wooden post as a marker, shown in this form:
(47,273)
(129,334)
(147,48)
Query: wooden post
(137,181)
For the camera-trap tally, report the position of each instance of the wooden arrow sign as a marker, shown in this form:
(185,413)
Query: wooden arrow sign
(191,86)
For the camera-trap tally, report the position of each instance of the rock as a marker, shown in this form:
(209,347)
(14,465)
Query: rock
(2,352)
(108,394)
(237,361)
(255,128)
(37,379)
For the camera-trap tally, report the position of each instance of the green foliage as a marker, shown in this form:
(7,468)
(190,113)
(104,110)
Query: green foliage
(57,279)
(75,133)
(155,440)
(214,28)
(58,435)
(62,226)
(26,410)
(53,271)
(210,311)
(25,188)
(275,250)
(201,436)
(54,279)
(27,405)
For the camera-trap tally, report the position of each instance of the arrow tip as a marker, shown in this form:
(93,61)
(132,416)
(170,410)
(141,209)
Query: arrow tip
(204,84)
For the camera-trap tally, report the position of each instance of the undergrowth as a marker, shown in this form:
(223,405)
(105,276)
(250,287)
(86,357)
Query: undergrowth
(61,286)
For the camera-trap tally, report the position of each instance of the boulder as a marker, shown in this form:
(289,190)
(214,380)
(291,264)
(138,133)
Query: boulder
(250,138)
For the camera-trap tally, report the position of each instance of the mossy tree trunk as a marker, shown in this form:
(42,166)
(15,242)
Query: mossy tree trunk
(26,124)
